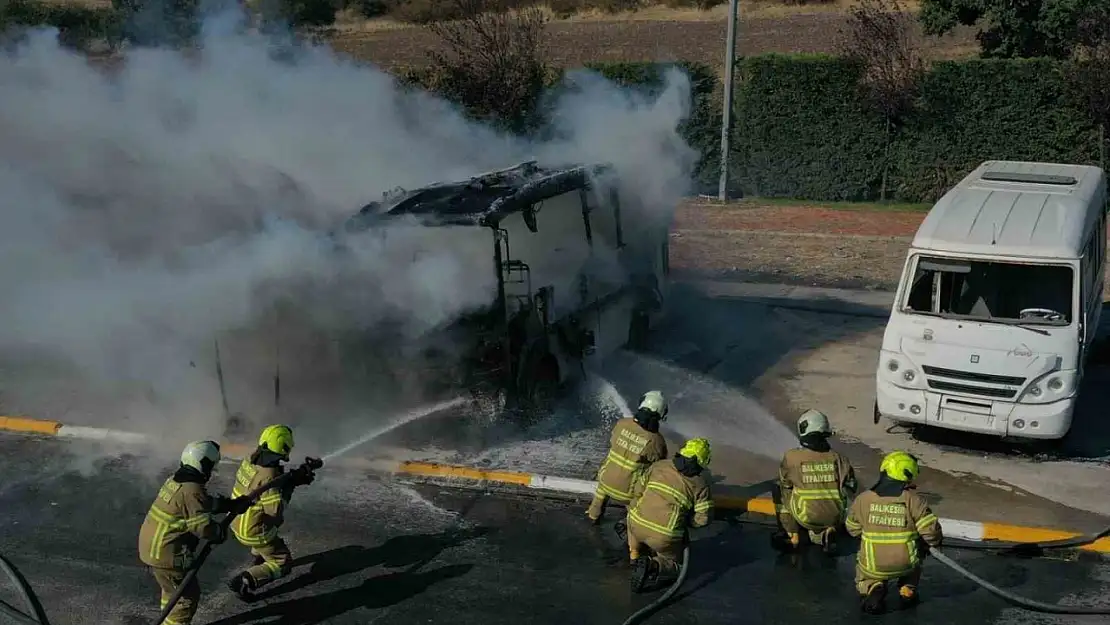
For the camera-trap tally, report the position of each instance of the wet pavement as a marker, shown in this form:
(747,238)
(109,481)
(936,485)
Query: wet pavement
(375,552)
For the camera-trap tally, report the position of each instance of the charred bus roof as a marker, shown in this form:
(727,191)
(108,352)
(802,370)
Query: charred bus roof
(483,200)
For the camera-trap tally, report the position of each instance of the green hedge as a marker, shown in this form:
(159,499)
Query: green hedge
(804,129)
(801,132)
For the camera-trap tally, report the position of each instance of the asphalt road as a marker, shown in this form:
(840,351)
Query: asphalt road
(374,552)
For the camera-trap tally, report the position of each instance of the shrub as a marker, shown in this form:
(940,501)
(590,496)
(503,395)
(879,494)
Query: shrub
(703,5)
(804,129)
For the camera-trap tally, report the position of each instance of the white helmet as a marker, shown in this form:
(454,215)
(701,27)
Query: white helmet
(655,402)
(196,453)
(813,422)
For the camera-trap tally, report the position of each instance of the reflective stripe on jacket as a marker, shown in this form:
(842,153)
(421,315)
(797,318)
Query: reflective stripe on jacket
(666,501)
(815,486)
(179,518)
(259,524)
(890,528)
(632,449)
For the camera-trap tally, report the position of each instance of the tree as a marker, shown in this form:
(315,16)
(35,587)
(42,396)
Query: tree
(881,37)
(493,61)
(1089,72)
(159,22)
(1016,28)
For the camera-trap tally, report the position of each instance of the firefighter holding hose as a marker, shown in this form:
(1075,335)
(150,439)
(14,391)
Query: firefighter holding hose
(179,518)
(816,484)
(257,527)
(672,496)
(634,444)
(897,528)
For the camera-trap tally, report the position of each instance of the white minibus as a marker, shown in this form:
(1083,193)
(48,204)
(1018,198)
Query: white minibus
(998,303)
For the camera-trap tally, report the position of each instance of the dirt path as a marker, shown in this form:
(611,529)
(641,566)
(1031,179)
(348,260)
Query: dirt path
(573,43)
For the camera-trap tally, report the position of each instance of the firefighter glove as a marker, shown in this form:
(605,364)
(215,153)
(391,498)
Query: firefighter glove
(302,476)
(239,505)
(220,504)
(219,534)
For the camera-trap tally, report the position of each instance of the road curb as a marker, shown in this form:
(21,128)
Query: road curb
(470,476)
(953,528)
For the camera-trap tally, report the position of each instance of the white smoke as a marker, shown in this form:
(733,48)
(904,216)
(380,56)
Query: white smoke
(148,209)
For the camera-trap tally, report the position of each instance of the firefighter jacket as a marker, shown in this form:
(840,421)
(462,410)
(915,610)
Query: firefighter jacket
(259,525)
(816,486)
(890,527)
(665,501)
(179,518)
(632,449)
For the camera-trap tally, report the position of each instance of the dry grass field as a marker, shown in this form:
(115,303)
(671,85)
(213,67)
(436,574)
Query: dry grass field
(653,34)
(650,34)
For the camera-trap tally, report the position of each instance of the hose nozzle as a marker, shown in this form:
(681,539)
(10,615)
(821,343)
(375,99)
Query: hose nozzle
(313,463)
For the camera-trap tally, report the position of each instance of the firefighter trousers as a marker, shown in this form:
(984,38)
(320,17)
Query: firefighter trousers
(665,551)
(276,563)
(169,580)
(817,533)
(601,502)
(909,581)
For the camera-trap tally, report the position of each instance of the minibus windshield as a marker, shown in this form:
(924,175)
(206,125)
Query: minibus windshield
(1000,292)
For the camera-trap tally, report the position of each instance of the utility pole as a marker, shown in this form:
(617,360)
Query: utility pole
(726,116)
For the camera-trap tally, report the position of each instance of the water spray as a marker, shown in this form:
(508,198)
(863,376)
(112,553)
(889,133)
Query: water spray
(404,419)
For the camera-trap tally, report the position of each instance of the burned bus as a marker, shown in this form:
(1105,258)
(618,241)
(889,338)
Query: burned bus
(579,270)
(571,268)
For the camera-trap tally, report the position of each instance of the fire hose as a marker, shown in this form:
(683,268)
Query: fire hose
(1023,602)
(309,465)
(643,612)
(34,614)
(621,529)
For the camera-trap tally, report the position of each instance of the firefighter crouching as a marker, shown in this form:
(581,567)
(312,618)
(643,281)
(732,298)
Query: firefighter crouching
(897,529)
(257,527)
(179,518)
(816,484)
(672,496)
(634,444)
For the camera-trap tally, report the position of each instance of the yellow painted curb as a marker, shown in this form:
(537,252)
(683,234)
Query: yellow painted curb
(1019,534)
(758,505)
(22,424)
(428,469)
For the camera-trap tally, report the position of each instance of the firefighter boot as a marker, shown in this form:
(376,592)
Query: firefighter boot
(907,597)
(828,541)
(785,542)
(644,571)
(242,585)
(874,602)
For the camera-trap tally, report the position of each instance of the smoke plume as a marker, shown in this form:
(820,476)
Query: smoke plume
(151,209)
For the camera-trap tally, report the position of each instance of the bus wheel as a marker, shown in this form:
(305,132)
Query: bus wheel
(537,402)
(639,326)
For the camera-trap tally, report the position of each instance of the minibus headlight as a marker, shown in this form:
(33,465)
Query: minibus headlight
(1051,387)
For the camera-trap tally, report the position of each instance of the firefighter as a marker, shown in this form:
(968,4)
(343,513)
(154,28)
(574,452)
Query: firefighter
(816,485)
(633,446)
(672,496)
(898,528)
(257,528)
(179,518)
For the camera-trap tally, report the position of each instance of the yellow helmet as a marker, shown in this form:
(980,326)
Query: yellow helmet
(900,466)
(278,439)
(698,449)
